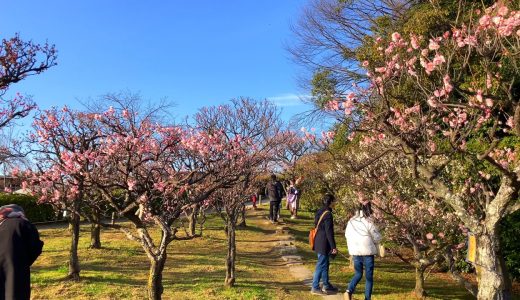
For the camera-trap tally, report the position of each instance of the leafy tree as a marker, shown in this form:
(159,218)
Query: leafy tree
(510,241)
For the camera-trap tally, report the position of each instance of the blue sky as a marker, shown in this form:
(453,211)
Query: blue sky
(193,53)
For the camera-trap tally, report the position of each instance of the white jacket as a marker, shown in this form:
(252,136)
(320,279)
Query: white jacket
(362,236)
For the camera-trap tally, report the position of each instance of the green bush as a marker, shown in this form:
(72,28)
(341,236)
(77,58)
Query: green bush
(510,241)
(33,211)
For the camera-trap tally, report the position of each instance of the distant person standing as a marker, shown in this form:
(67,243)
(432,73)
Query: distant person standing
(20,247)
(363,238)
(292,199)
(324,246)
(274,190)
(298,195)
(254,199)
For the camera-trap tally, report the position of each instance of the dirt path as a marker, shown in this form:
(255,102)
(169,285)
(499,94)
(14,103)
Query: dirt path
(284,254)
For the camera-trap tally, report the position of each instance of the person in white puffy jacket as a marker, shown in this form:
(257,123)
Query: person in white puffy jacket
(362,239)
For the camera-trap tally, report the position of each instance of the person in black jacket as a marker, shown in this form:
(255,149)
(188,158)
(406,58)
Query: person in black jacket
(324,246)
(20,247)
(274,190)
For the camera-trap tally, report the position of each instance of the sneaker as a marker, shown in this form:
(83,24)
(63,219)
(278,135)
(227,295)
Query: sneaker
(293,217)
(347,295)
(330,290)
(317,292)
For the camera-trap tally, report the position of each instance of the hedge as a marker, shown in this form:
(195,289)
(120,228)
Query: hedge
(33,211)
(510,242)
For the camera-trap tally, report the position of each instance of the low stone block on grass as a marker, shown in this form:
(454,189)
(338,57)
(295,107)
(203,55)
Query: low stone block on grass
(288,250)
(285,243)
(292,259)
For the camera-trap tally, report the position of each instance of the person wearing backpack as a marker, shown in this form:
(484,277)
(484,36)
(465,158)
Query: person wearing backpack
(363,238)
(324,246)
(274,190)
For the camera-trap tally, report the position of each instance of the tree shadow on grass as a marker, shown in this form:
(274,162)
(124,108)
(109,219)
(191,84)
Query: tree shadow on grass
(213,227)
(395,278)
(185,280)
(292,286)
(195,261)
(260,259)
(239,240)
(114,275)
(117,250)
(257,229)
(299,235)
(245,281)
(122,281)
(393,267)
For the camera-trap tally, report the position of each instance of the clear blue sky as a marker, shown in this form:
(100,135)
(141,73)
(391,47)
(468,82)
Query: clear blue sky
(194,53)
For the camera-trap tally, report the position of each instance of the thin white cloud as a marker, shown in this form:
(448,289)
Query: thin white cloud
(285,100)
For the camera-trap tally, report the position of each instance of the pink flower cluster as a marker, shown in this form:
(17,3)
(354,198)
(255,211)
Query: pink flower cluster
(499,18)
(116,150)
(406,120)
(15,108)
(505,157)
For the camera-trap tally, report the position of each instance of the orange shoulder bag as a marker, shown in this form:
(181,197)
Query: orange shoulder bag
(312,233)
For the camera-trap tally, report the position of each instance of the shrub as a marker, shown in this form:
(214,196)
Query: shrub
(510,240)
(34,212)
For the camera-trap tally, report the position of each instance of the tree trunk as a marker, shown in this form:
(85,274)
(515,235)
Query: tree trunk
(95,236)
(156,255)
(231,256)
(493,280)
(95,231)
(419,270)
(193,219)
(242,223)
(73,254)
(154,286)
(419,282)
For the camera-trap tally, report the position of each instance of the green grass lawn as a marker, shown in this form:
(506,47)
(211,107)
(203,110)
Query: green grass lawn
(196,269)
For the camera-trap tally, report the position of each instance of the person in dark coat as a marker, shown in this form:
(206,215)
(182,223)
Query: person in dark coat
(324,246)
(274,190)
(20,247)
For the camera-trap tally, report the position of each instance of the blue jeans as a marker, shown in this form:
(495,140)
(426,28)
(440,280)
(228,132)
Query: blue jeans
(321,272)
(359,262)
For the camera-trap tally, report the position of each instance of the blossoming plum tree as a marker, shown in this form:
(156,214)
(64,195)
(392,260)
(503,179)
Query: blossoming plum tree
(409,217)
(457,122)
(150,173)
(18,60)
(252,131)
(65,143)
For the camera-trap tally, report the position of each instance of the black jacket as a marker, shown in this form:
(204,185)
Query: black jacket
(19,248)
(274,190)
(324,240)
